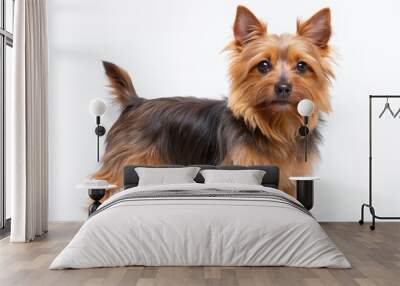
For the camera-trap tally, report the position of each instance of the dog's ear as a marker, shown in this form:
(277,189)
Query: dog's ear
(121,84)
(317,28)
(247,27)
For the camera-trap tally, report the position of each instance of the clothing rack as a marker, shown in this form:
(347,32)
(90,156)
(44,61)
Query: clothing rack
(370,205)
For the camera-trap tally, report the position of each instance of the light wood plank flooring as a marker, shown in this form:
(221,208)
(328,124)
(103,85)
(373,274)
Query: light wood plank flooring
(375,257)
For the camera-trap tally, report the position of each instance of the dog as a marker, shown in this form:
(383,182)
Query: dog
(256,125)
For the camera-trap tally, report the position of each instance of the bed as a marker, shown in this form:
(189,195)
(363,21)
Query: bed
(201,224)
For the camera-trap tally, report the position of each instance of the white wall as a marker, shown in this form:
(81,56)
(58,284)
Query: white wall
(173,48)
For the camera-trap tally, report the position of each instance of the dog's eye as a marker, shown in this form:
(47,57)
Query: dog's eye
(301,67)
(264,66)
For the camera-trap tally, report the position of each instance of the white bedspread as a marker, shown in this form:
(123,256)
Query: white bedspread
(224,231)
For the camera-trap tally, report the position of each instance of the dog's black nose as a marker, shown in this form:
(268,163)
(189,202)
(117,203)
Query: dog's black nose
(283,89)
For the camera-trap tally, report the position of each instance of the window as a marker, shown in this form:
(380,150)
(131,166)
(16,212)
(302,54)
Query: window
(6,44)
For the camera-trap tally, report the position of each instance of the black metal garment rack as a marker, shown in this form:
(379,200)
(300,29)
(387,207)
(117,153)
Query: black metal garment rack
(370,205)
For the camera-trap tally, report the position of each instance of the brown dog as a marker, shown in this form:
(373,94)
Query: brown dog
(257,124)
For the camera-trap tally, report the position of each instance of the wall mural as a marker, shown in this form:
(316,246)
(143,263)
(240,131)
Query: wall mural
(256,125)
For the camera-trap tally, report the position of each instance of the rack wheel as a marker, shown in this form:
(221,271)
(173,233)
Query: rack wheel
(372,227)
(361,222)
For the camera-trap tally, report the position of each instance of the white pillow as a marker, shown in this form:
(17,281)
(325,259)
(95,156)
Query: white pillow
(248,177)
(167,175)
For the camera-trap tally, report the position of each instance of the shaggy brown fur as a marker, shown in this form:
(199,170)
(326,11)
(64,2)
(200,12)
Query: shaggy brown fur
(257,124)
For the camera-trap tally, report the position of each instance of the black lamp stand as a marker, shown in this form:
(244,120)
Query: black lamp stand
(100,131)
(305,193)
(303,131)
(96,195)
(305,187)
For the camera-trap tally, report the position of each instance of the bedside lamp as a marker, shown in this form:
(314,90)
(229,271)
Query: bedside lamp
(305,109)
(97,108)
(305,185)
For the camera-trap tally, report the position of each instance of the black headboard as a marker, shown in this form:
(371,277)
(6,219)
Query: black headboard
(270,179)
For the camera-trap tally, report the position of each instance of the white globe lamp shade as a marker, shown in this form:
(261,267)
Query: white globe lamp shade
(305,107)
(97,107)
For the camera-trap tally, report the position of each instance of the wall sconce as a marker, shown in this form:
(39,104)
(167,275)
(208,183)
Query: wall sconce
(97,108)
(305,109)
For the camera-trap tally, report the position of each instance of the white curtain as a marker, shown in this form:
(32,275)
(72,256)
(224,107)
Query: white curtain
(28,159)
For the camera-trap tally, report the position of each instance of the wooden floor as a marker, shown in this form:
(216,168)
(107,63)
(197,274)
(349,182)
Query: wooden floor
(375,257)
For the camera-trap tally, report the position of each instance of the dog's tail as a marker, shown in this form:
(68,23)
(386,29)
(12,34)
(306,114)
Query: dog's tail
(121,85)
